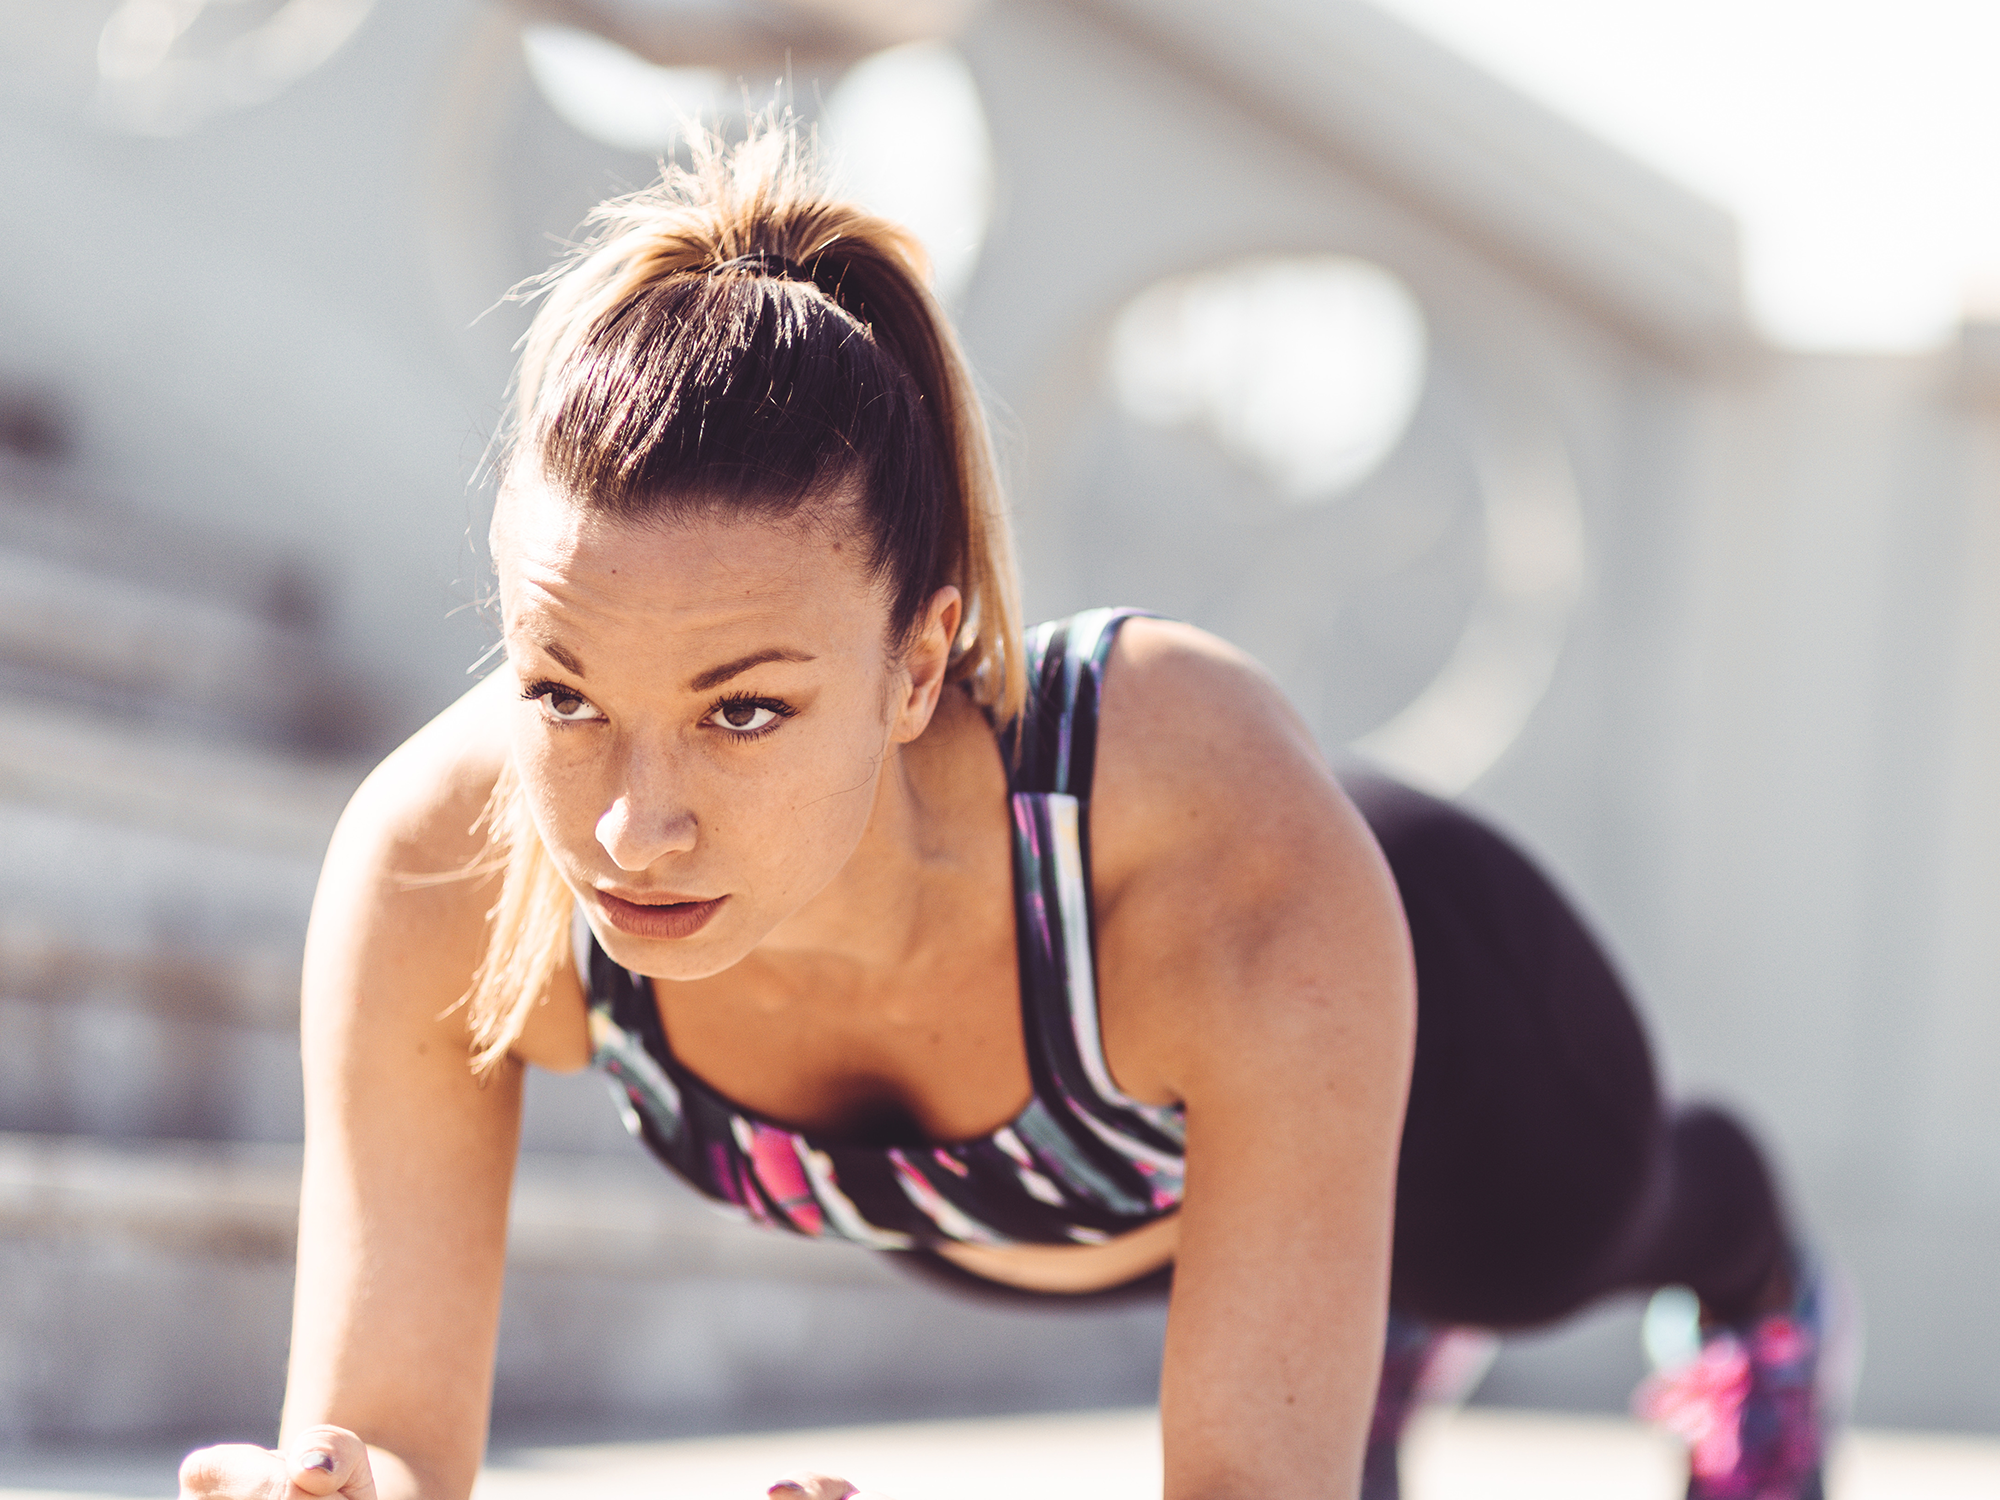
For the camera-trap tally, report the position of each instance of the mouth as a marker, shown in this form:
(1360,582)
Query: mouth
(664,917)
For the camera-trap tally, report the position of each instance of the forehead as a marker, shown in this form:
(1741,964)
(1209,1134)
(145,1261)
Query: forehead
(564,567)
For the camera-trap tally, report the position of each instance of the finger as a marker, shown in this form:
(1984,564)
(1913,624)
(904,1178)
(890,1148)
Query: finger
(231,1471)
(806,1484)
(329,1461)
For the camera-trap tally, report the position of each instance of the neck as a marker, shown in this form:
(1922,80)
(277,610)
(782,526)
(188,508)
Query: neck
(926,833)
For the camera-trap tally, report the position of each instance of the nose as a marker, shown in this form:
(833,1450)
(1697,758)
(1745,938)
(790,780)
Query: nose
(643,825)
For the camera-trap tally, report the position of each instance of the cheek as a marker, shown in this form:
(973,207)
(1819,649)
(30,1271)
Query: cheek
(809,814)
(559,794)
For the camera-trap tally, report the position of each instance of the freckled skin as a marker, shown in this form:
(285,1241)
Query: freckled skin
(658,797)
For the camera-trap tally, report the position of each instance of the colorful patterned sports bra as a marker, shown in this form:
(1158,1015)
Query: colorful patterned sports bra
(1081,1164)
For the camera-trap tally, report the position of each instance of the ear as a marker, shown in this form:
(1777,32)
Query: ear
(924,664)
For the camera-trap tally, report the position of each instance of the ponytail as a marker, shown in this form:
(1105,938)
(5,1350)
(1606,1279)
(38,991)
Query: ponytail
(734,339)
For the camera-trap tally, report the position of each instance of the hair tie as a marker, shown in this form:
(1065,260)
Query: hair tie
(764,263)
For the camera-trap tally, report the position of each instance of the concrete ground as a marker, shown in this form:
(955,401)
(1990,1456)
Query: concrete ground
(1478,1454)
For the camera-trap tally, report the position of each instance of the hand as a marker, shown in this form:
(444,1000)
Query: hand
(804,1484)
(320,1462)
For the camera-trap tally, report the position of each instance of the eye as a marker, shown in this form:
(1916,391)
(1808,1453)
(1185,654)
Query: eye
(564,705)
(749,717)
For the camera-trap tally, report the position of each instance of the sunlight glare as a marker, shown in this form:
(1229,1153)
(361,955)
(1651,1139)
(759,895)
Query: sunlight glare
(1857,143)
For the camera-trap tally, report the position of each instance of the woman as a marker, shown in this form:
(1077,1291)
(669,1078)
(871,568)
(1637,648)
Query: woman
(777,817)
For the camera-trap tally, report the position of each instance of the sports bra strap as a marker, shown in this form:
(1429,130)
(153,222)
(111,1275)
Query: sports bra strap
(1052,747)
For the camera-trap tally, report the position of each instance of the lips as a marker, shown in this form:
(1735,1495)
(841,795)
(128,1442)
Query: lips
(661,917)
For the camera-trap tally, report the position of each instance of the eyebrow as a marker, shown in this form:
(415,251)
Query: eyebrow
(564,656)
(716,676)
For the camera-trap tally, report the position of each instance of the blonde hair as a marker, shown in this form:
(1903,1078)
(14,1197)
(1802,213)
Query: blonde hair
(735,337)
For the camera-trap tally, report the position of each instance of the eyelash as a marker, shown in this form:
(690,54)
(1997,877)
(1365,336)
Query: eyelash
(543,689)
(780,710)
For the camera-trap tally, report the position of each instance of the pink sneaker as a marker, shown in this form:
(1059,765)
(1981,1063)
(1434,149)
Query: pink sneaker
(1758,1405)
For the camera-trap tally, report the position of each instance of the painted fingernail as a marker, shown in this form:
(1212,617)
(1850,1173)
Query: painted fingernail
(317,1459)
(786,1487)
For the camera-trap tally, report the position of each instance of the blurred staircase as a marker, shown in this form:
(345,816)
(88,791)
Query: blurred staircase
(180,747)
(176,749)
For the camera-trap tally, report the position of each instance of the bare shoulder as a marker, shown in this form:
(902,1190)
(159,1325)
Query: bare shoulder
(1234,883)
(418,807)
(399,919)
(1197,749)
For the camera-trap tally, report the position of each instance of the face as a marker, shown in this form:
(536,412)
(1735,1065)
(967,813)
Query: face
(705,710)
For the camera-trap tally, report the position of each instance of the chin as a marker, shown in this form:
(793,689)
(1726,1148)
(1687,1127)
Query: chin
(697,957)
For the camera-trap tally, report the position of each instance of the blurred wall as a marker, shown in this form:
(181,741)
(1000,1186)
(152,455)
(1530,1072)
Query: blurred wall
(1707,625)
(240,326)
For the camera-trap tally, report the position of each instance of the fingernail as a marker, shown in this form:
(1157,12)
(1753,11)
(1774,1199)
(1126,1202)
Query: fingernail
(317,1459)
(786,1486)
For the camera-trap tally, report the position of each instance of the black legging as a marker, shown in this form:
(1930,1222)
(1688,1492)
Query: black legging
(1539,1169)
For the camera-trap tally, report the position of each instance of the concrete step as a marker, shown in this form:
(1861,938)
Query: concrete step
(1476,1454)
(46,512)
(141,1289)
(1473,1454)
(154,889)
(205,788)
(153,900)
(114,1065)
(161,621)
(145,1289)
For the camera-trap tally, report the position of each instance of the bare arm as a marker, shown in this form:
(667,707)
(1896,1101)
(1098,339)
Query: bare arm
(409,1159)
(1255,965)
(402,1225)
